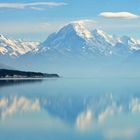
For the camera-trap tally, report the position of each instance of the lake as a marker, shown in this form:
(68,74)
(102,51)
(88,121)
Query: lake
(70,109)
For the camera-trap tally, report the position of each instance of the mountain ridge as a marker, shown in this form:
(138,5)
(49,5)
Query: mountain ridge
(76,36)
(74,39)
(15,48)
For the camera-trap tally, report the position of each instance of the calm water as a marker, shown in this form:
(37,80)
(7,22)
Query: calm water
(70,109)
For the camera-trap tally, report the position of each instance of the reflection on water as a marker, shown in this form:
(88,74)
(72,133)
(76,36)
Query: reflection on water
(18,82)
(9,106)
(72,109)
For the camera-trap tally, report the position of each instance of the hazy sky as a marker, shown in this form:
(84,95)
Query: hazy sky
(35,19)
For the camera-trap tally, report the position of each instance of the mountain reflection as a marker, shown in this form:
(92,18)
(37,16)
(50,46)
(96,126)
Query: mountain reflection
(90,108)
(80,111)
(9,106)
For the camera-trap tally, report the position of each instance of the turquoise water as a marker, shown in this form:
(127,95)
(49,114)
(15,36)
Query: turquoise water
(70,109)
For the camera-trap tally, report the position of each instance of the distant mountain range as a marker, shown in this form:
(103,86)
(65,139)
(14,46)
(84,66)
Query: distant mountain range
(73,39)
(15,48)
(74,49)
(76,39)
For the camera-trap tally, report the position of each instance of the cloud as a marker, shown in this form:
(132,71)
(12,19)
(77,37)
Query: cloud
(84,21)
(36,27)
(89,23)
(125,15)
(32,5)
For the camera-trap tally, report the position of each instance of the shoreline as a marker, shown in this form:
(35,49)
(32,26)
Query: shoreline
(29,78)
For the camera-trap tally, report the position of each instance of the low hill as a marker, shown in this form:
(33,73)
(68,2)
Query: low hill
(5,73)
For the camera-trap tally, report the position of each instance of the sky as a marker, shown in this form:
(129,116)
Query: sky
(36,19)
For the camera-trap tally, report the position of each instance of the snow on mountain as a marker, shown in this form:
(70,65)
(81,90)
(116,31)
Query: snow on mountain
(15,48)
(75,38)
(81,31)
(103,42)
(130,42)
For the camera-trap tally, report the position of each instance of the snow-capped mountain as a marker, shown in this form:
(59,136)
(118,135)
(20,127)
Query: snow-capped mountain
(73,39)
(76,39)
(15,48)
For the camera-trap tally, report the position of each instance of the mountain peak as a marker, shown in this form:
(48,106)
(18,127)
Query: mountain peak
(78,28)
(97,33)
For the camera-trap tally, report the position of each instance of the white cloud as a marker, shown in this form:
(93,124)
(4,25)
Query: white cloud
(89,23)
(125,15)
(33,5)
(84,21)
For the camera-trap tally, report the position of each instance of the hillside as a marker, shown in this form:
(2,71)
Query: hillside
(4,73)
